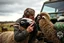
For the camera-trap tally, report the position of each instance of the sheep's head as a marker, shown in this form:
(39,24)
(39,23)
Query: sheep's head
(43,19)
(25,22)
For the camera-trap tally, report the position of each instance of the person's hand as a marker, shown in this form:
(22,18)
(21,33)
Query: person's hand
(30,28)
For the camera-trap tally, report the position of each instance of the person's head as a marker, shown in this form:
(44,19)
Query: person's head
(29,13)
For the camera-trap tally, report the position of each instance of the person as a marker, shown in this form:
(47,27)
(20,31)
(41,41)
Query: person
(20,34)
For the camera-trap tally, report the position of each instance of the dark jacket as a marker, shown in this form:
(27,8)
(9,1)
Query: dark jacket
(22,35)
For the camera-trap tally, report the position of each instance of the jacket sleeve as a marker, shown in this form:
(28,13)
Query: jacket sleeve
(20,35)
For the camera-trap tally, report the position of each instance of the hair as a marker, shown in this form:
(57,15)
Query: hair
(29,11)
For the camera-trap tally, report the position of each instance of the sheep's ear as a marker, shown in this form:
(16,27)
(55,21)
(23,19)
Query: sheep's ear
(44,17)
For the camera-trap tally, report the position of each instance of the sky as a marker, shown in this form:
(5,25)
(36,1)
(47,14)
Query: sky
(11,10)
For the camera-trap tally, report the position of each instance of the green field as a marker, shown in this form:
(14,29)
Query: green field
(8,26)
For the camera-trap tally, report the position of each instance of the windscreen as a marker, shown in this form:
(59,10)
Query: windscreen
(53,7)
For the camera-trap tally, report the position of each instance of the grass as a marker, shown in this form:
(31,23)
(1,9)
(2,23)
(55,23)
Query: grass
(0,29)
(6,25)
